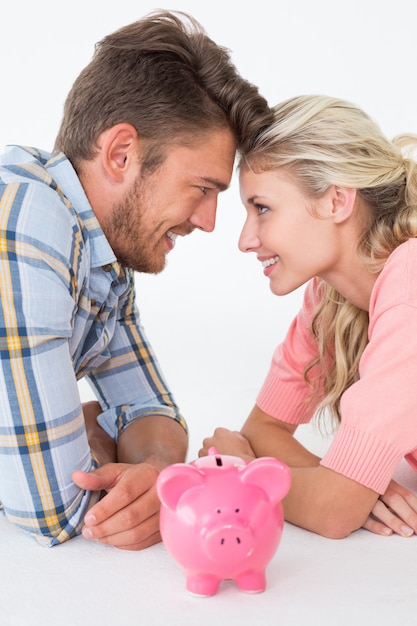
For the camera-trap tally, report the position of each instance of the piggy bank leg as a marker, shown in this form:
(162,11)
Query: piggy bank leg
(202,584)
(252,581)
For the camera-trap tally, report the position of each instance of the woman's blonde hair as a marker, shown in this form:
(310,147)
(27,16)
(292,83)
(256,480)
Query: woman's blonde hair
(324,141)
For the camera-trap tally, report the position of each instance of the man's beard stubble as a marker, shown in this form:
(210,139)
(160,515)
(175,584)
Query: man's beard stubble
(126,232)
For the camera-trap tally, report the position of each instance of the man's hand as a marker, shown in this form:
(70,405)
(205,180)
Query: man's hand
(394,512)
(128,515)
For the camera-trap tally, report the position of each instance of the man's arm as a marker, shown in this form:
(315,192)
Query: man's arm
(128,516)
(102,446)
(41,419)
(139,412)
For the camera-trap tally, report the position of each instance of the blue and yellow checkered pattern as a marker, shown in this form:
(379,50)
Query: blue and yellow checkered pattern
(67,310)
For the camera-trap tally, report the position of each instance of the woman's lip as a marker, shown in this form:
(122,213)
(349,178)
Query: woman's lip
(268,263)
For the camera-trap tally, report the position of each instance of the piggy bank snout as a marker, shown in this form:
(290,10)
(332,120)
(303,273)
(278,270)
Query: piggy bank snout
(229,543)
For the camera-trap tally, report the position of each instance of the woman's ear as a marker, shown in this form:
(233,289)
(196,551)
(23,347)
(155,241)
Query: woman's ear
(118,149)
(343,203)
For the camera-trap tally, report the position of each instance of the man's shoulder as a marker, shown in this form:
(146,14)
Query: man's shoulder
(21,159)
(35,207)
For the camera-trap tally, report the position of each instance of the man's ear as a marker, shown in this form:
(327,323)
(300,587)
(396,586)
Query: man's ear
(118,149)
(343,203)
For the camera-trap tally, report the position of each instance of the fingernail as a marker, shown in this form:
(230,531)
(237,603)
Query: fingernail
(387,531)
(90,519)
(407,531)
(87,533)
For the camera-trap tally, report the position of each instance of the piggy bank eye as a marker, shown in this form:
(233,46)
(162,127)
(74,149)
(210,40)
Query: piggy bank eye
(218,511)
(237,510)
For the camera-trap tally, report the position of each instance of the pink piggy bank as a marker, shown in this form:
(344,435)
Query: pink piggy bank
(221,519)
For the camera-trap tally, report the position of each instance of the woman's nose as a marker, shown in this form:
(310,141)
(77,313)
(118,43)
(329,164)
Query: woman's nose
(248,240)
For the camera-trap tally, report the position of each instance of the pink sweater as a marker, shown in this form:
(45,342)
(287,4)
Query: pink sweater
(379,412)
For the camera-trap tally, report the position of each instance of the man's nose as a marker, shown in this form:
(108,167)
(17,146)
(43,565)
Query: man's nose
(204,217)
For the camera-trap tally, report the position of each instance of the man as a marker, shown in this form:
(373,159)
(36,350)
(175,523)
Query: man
(147,141)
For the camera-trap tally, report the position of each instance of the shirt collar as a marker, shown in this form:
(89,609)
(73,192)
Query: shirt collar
(63,173)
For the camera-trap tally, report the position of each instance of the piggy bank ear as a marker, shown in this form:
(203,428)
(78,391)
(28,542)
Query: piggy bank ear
(271,475)
(175,480)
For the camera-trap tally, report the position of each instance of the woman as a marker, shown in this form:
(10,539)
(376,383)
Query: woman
(331,203)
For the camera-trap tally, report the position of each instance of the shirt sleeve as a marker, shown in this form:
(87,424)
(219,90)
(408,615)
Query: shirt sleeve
(42,432)
(130,383)
(285,391)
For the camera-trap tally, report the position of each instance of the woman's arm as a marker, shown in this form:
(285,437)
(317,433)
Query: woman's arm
(269,436)
(320,499)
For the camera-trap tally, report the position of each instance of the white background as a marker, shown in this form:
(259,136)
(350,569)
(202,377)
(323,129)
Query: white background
(210,315)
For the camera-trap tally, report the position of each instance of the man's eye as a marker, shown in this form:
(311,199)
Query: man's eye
(204,190)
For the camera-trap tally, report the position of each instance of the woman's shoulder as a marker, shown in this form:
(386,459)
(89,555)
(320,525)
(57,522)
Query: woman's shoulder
(397,282)
(408,249)
(402,262)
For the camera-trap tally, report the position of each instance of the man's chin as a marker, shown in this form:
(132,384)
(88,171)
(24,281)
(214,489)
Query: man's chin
(148,268)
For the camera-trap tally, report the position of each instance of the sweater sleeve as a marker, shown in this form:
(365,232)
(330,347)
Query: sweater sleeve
(379,412)
(285,391)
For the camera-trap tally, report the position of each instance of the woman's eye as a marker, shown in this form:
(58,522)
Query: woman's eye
(261,209)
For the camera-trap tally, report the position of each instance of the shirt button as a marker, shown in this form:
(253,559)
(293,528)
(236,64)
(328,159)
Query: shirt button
(107,268)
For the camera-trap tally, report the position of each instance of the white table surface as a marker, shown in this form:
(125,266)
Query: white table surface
(363,579)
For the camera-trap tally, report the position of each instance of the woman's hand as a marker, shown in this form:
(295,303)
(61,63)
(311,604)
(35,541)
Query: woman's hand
(394,512)
(228,442)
